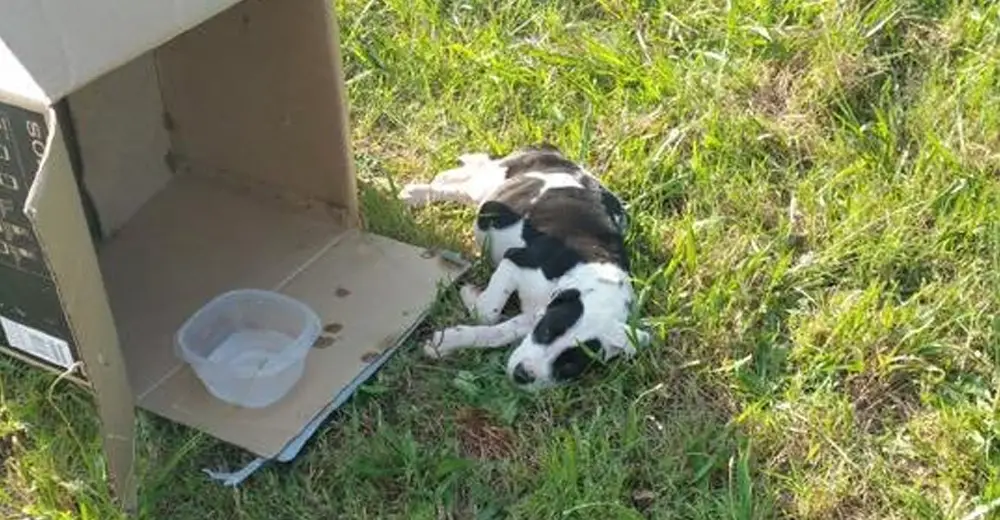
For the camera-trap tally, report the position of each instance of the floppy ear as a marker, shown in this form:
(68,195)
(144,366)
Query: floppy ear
(623,338)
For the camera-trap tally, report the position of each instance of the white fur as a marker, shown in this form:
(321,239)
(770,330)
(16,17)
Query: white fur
(554,180)
(471,183)
(605,288)
(499,241)
(606,294)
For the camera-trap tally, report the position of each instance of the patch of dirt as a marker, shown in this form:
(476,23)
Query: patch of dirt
(480,438)
(790,97)
(6,451)
(782,93)
(773,96)
(860,506)
(9,443)
(644,499)
(333,328)
(323,342)
(880,402)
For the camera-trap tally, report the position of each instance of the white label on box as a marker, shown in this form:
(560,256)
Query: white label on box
(37,343)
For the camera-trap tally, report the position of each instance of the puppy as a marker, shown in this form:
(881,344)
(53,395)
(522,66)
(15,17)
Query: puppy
(555,235)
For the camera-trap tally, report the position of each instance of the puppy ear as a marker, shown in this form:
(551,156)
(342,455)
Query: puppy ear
(623,338)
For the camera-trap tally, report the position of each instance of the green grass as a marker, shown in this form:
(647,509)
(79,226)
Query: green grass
(815,187)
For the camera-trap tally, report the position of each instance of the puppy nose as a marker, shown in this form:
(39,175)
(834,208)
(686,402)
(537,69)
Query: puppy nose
(521,375)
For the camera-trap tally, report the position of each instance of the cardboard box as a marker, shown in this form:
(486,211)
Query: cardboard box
(156,153)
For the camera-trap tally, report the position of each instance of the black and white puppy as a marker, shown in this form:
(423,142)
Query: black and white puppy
(555,235)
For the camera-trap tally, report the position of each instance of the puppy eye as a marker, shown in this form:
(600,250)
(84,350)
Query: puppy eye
(593,346)
(572,362)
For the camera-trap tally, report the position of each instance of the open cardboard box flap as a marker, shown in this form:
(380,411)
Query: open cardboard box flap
(61,45)
(212,143)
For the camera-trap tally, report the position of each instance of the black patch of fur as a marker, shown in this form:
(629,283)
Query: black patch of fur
(566,227)
(543,146)
(495,215)
(561,313)
(613,205)
(572,362)
(521,376)
(563,227)
(509,205)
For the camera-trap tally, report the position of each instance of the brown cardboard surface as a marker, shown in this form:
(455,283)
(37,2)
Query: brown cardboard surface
(191,242)
(371,289)
(123,142)
(54,208)
(258,91)
(196,240)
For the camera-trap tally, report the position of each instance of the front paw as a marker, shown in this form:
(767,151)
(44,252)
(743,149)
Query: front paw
(435,347)
(470,296)
(415,194)
(478,310)
(445,341)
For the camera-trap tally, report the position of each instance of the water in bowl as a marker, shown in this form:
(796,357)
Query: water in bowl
(248,353)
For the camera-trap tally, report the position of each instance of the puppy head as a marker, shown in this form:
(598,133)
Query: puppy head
(572,334)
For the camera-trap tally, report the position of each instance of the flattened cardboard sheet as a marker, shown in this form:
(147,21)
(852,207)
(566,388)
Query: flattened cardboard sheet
(191,242)
(197,239)
(368,288)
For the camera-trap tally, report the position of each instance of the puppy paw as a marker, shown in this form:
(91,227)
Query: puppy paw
(434,347)
(470,296)
(415,195)
(445,341)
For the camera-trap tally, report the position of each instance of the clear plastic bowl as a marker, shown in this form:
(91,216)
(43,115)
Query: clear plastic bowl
(248,347)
